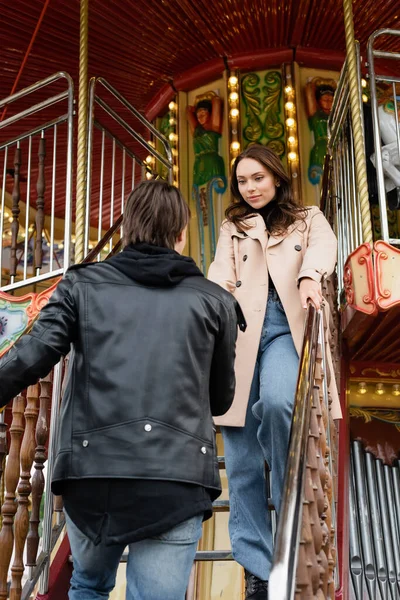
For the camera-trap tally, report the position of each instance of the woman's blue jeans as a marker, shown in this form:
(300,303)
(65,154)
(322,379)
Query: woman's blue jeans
(158,568)
(265,437)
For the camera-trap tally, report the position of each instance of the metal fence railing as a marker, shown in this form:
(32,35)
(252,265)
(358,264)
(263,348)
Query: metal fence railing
(385,119)
(36,185)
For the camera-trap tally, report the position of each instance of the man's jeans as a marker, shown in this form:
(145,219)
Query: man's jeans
(265,437)
(158,568)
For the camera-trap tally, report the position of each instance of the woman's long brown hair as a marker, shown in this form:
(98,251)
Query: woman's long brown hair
(282,211)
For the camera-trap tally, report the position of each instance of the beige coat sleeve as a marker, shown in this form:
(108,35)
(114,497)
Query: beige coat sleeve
(320,256)
(222,269)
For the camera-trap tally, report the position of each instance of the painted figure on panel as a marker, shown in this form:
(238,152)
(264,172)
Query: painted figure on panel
(205,122)
(319,94)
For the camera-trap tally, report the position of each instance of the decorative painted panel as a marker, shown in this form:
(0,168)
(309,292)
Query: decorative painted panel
(207,170)
(262,110)
(17,315)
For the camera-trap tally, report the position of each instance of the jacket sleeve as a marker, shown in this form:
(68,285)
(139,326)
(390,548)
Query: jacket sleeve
(36,352)
(222,269)
(222,376)
(320,256)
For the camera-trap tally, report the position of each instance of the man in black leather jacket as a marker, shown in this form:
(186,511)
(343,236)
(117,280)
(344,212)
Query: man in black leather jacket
(152,359)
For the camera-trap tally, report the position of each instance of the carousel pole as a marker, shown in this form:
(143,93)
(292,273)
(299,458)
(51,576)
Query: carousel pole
(355,106)
(82,133)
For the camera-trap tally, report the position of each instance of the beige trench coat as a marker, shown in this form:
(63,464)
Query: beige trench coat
(305,250)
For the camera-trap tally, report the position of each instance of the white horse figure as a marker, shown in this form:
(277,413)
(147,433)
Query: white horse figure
(390,135)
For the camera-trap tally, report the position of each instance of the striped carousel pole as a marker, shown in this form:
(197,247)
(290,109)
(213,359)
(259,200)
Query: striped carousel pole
(355,106)
(81,173)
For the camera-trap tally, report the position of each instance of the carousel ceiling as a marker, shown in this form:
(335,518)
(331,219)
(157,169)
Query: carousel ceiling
(141,46)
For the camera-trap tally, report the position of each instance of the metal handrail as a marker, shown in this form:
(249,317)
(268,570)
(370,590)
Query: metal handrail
(372,54)
(68,95)
(94,99)
(140,118)
(283,574)
(37,86)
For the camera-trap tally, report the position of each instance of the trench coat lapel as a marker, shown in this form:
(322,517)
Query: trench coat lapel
(257,231)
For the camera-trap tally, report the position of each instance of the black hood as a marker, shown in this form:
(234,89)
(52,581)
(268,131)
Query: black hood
(155,266)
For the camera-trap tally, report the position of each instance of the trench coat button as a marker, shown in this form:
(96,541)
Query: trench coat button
(85,443)
(204,450)
(245,257)
(297,247)
(238,283)
(147,427)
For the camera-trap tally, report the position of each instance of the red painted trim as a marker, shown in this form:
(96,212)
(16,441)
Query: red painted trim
(343,490)
(260,59)
(199,75)
(369,370)
(160,102)
(27,53)
(319,58)
(60,574)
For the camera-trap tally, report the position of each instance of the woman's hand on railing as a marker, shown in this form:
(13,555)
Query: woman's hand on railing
(310,290)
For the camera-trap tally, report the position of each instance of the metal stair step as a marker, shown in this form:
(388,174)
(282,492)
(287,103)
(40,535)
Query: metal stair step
(213,555)
(223,506)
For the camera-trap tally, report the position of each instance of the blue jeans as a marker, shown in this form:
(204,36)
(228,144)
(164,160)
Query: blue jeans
(158,568)
(265,437)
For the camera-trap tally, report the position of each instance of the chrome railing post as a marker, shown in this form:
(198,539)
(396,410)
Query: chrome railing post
(283,574)
(48,506)
(372,53)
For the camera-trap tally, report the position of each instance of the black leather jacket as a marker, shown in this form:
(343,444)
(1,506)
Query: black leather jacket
(148,368)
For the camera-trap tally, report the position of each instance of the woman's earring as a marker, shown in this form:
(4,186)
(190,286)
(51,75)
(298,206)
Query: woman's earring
(277,183)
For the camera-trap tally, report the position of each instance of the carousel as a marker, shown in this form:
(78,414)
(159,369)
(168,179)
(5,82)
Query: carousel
(97,96)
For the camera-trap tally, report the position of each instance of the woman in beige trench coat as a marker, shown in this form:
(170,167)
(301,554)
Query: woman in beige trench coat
(272,255)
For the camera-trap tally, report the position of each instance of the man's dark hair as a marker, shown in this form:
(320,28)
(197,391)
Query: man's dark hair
(155,213)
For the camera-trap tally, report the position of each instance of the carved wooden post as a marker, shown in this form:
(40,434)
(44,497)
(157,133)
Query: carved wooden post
(16,195)
(42,434)
(3,442)
(9,507)
(21,523)
(40,189)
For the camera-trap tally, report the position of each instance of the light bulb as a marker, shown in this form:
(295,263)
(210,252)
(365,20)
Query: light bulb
(291,139)
(172,106)
(235,146)
(362,387)
(148,175)
(233,80)
(292,156)
(233,96)
(363,83)
(290,122)
(364,98)
(288,89)
(289,106)
(234,113)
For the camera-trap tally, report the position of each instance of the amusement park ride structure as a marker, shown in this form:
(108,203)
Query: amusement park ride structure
(66,170)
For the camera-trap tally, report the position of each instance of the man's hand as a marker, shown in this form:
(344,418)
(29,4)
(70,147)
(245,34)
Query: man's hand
(310,290)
